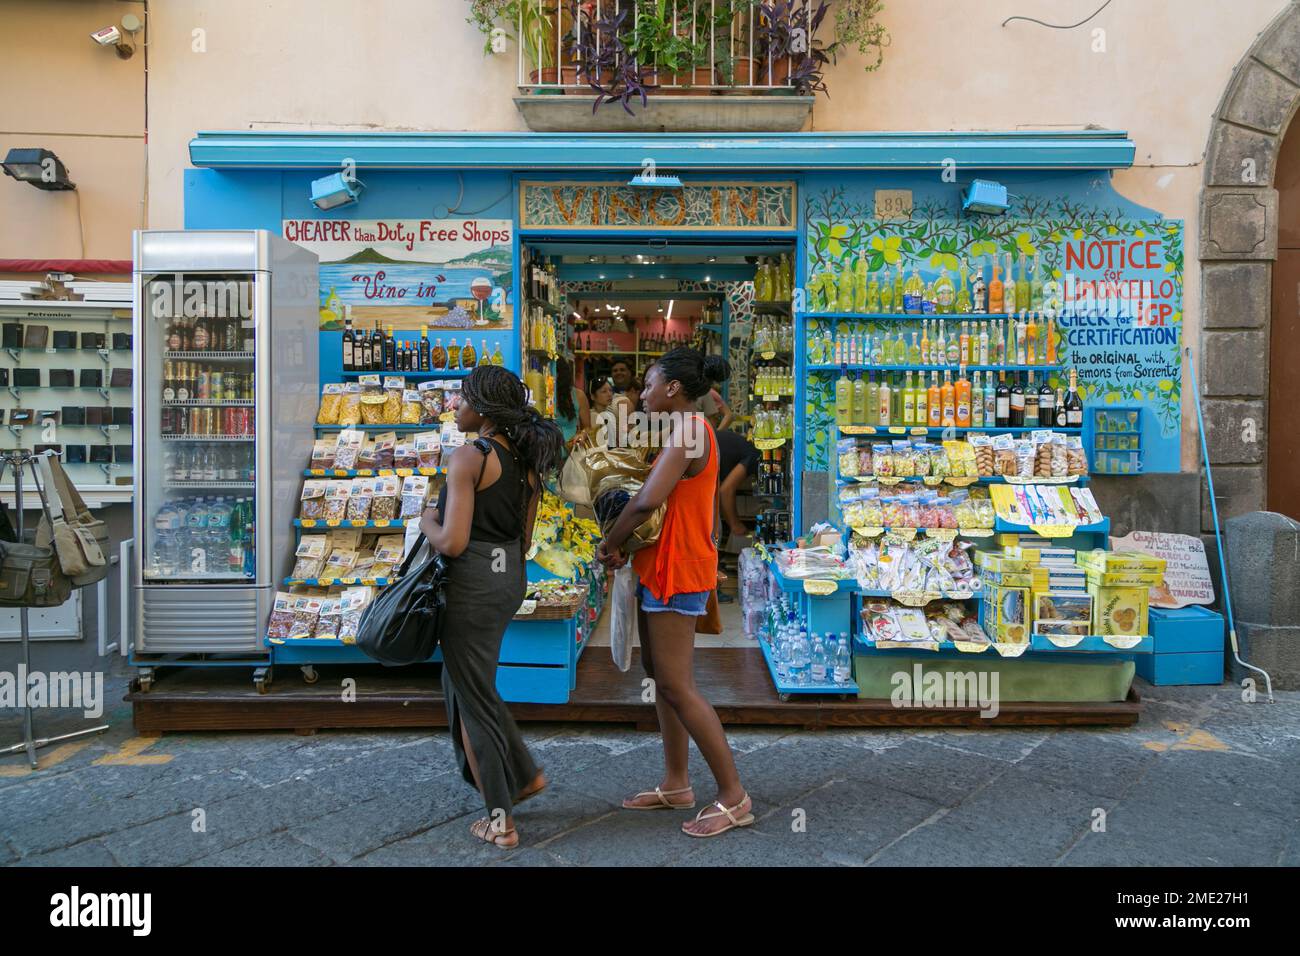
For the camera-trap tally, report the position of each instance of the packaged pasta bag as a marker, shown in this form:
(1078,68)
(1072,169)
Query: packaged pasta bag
(394,389)
(373,400)
(428,449)
(331,399)
(350,406)
(348,449)
(366,457)
(904,462)
(322,453)
(404,455)
(340,564)
(312,501)
(306,610)
(415,490)
(412,408)
(352,602)
(310,556)
(359,497)
(280,624)
(329,620)
(385,442)
(430,402)
(384,504)
(336,499)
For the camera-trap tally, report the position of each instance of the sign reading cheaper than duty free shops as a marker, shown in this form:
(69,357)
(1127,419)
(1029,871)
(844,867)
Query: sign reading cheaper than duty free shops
(443,273)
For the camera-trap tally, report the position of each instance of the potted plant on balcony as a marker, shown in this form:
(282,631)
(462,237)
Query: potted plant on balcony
(793,56)
(607,64)
(732,32)
(662,45)
(531,23)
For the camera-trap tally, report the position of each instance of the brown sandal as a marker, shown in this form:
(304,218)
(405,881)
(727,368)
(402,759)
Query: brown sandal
(527,795)
(482,829)
(664,803)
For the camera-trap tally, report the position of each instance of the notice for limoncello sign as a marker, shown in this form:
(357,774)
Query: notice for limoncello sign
(1121,317)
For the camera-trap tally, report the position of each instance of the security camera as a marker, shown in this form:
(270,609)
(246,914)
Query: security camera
(109,36)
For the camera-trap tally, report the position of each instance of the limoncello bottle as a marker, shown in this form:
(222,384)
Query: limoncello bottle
(978,290)
(1010,296)
(900,349)
(1036,288)
(870,411)
(913,352)
(928,304)
(887,295)
(913,292)
(900,298)
(953,352)
(886,354)
(843,400)
(859,399)
(909,401)
(996,301)
(844,295)
(873,296)
(860,284)
(944,293)
(963,304)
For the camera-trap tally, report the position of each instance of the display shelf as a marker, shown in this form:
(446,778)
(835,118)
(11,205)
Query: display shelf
(1038,644)
(931,481)
(218,438)
(212,403)
(203,483)
(903,597)
(351,523)
(914,316)
(430,374)
(770,308)
(371,472)
(783,688)
(378,428)
(557,310)
(213,356)
(905,430)
(344,582)
(859,367)
(1101,527)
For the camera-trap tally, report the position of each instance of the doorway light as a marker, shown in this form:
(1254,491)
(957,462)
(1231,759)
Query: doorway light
(335,190)
(655,182)
(37,167)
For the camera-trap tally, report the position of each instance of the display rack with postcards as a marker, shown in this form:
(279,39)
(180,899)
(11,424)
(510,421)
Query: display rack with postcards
(66,377)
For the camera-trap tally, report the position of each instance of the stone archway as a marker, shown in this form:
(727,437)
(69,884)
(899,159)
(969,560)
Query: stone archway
(1238,244)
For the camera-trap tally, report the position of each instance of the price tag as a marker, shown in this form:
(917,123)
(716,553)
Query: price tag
(897,430)
(820,588)
(931,480)
(971,647)
(769,354)
(317,472)
(1122,642)
(914,598)
(366,472)
(771,398)
(357,522)
(975,532)
(1063,640)
(766,444)
(1053,530)
(888,480)
(857,429)
(429,471)
(902,534)
(309,522)
(1010,650)
(528,607)
(381,522)
(868,531)
(340,472)
(941,534)
(960,481)
(403,472)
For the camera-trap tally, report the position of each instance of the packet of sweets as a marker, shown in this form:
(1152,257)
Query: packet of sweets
(329,620)
(310,556)
(305,612)
(359,497)
(404,455)
(336,499)
(384,504)
(847,452)
(428,449)
(280,624)
(385,442)
(415,490)
(430,402)
(312,500)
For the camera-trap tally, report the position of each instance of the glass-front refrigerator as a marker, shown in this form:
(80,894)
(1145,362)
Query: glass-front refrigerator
(226,326)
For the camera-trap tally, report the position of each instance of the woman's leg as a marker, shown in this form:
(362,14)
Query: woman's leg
(675,738)
(672,636)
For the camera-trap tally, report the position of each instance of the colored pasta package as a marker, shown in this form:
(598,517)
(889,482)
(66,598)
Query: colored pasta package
(404,455)
(383,506)
(312,500)
(280,624)
(366,457)
(336,499)
(430,402)
(412,407)
(415,490)
(348,449)
(428,449)
(310,556)
(329,620)
(322,453)
(340,564)
(385,442)
(352,603)
(306,610)
(331,400)
(360,494)
(350,406)
(373,400)
(394,389)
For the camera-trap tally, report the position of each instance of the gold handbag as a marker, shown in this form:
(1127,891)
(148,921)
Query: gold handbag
(622,469)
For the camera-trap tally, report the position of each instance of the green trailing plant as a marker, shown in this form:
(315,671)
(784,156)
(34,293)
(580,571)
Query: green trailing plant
(857,24)
(527,22)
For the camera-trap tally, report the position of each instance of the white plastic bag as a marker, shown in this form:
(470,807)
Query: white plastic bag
(622,616)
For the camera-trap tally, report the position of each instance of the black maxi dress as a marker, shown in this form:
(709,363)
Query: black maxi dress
(484,588)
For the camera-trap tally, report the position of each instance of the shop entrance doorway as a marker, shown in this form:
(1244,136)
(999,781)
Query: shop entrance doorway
(1284,339)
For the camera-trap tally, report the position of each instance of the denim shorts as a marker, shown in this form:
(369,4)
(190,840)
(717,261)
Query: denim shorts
(690,603)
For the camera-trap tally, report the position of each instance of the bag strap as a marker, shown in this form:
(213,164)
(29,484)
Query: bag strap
(485,446)
(73,503)
(53,506)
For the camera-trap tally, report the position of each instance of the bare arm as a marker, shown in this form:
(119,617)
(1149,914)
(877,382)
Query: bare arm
(727,415)
(448,534)
(530,516)
(584,412)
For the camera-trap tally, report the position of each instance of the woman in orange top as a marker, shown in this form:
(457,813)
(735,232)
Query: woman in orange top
(677,573)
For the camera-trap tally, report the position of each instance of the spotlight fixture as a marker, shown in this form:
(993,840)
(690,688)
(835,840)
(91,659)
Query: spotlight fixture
(985,196)
(112,36)
(38,167)
(655,182)
(330,192)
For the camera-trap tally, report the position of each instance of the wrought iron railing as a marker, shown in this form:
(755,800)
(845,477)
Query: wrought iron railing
(663,46)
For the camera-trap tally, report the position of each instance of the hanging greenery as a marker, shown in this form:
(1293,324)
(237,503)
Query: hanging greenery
(857,24)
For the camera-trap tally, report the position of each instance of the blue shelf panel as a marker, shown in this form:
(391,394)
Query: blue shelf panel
(859,367)
(436,373)
(370,472)
(986,480)
(910,316)
(1038,644)
(346,523)
(976,596)
(782,688)
(343,582)
(905,430)
(1102,527)
(432,426)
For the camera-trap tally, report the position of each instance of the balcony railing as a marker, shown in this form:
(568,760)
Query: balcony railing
(664,47)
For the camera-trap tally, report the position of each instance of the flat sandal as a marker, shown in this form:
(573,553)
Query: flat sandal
(664,803)
(735,821)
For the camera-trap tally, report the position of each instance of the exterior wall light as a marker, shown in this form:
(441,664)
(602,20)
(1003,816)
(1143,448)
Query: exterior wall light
(39,167)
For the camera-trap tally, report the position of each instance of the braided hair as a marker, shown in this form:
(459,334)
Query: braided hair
(496,393)
(696,371)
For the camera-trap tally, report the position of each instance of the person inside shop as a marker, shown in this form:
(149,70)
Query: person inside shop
(625,382)
(599,402)
(677,572)
(738,462)
(569,402)
(712,406)
(484,517)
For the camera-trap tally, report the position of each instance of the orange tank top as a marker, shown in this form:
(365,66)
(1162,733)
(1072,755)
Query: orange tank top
(685,559)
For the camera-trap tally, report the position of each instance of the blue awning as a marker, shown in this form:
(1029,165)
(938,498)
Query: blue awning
(787,152)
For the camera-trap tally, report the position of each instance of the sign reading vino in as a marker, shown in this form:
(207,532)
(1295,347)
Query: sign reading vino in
(443,273)
(725,205)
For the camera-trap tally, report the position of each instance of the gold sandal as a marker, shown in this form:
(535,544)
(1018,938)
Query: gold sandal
(529,794)
(664,803)
(482,829)
(735,821)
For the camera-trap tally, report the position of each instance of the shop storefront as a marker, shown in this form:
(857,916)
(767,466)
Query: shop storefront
(938,341)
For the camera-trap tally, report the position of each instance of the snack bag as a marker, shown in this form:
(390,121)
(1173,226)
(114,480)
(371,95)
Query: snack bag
(312,500)
(329,620)
(340,564)
(1076,463)
(1024,458)
(1042,454)
(336,499)
(306,610)
(349,448)
(322,453)
(389,552)
(904,464)
(430,402)
(1004,456)
(385,442)
(352,602)
(331,400)
(882,459)
(847,450)
(366,457)
(383,505)
(404,455)
(280,624)
(982,445)
(359,495)
(310,555)
(415,490)
(428,449)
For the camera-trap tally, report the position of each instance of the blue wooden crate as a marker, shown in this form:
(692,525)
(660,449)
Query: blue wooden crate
(1196,667)
(1187,647)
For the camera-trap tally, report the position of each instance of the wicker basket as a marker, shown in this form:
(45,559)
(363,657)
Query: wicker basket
(556,612)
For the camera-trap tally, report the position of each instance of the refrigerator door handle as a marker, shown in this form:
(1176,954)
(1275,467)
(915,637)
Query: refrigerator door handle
(126,592)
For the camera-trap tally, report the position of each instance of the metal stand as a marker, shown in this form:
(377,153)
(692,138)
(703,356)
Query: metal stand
(17,460)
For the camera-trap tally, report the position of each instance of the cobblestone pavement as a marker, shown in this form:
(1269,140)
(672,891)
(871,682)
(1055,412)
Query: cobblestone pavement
(1203,779)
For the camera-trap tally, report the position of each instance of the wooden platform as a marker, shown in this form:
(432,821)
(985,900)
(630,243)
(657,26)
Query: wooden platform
(735,680)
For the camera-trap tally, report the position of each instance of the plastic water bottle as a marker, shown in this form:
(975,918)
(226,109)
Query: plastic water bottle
(843,660)
(193,561)
(799,657)
(818,661)
(781,655)
(217,545)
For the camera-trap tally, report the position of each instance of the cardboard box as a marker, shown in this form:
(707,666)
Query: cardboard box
(1118,610)
(1125,579)
(1057,606)
(1007,610)
(1108,561)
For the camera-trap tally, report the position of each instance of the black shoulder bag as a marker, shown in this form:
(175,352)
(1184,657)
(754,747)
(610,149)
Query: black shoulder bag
(404,624)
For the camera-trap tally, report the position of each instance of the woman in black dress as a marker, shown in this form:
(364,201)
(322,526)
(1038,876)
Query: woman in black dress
(483,525)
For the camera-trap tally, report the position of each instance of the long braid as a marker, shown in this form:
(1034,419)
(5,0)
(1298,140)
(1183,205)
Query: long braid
(498,394)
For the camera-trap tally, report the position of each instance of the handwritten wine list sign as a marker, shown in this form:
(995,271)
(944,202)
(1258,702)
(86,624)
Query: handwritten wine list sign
(1187,571)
